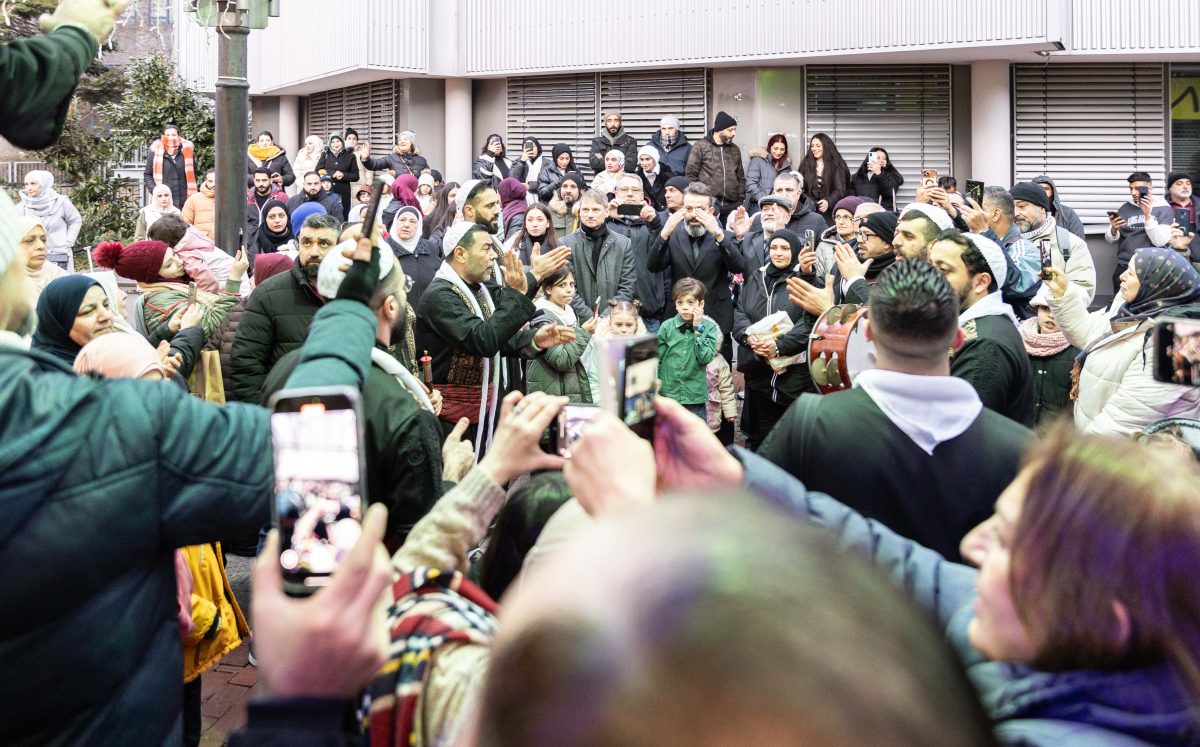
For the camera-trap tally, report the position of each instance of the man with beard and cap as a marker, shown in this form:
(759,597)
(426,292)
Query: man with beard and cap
(918,227)
(770,391)
(716,162)
(403,445)
(1063,215)
(910,445)
(475,328)
(672,144)
(673,196)
(612,136)
(754,235)
(280,311)
(692,244)
(529,167)
(855,268)
(563,206)
(1180,197)
(804,215)
(651,288)
(654,175)
(554,169)
(992,356)
(1068,252)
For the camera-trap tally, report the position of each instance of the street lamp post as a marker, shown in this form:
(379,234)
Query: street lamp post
(233,20)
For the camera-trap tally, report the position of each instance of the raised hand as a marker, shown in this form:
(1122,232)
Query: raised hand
(458,454)
(544,265)
(812,299)
(514,272)
(599,488)
(850,266)
(515,450)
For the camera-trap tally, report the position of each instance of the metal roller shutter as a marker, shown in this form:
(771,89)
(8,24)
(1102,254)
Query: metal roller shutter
(1088,127)
(903,109)
(369,108)
(554,109)
(643,98)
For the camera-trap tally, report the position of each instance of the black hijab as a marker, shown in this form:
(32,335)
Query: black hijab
(268,241)
(774,273)
(56,310)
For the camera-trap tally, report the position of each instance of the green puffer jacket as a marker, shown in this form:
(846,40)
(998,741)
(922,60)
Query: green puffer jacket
(100,480)
(274,324)
(559,371)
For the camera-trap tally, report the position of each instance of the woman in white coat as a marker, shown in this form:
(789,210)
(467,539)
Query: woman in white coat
(1115,390)
(306,161)
(58,216)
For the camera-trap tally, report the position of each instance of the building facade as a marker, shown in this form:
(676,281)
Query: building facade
(1083,90)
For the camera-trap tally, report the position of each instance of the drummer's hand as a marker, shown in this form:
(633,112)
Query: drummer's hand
(812,299)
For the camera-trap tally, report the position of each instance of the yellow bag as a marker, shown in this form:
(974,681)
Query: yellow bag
(205,381)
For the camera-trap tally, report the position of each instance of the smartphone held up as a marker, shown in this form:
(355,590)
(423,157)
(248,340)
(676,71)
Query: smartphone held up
(1177,351)
(320,493)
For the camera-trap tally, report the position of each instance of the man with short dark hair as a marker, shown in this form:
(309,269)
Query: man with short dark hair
(612,136)
(1143,221)
(998,223)
(314,191)
(717,162)
(909,445)
(564,213)
(692,244)
(280,310)
(258,195)
(992,357)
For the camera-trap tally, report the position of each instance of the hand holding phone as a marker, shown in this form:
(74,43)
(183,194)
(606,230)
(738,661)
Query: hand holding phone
(1177,351)
(1046,257)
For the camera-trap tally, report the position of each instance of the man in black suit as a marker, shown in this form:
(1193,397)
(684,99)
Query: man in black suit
(693,244)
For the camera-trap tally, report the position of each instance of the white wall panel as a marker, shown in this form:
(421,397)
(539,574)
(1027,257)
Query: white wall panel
(1120,26)
(518,36)
(195,51)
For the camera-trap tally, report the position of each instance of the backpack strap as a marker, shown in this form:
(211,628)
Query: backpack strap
(1064,241)
(806,406)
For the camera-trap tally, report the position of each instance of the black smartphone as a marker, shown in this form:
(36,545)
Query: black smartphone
(975,191)
(1183,217)
(1143,191)
(191,294)
(1113,214)
(1046,257)
(372,207)
(320,494)
(565,430)
(629,210)
(1177,351)
(628,371)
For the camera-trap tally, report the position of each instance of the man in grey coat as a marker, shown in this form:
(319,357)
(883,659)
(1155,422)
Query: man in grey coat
(601,260)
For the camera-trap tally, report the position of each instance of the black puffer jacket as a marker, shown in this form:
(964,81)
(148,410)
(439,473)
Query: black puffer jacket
(275,323)
(406,163)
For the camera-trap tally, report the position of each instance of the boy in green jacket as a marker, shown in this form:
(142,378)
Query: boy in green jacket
(686,344)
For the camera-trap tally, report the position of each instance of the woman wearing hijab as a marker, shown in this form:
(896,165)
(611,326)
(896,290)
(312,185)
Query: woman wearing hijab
(419,257)
(772,380)
(553,171)
(1115,391)
(342,167)
(404,194)
(492,165)
(164,284)
(71,311)
(513,204)
(765,165)
(160,205)
(275,231)
(529,168)
(32,243)
(59,218)
(306,161)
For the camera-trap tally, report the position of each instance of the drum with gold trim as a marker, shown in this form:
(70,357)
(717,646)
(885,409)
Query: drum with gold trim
(838,349)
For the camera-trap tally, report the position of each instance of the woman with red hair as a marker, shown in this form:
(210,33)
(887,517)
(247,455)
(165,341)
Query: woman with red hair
(765,165)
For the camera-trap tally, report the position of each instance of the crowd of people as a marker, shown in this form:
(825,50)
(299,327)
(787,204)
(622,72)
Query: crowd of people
(989,533)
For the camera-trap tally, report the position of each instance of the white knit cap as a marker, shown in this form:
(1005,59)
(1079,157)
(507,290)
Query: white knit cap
(669,121)
(454,235)
(933,212)
(464,189)
(648,150)
(994,255)
(330,273)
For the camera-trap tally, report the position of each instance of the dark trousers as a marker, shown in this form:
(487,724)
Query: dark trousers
(759,416)
(191,713)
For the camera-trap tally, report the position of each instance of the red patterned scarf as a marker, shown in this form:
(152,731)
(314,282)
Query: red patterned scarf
(159,149)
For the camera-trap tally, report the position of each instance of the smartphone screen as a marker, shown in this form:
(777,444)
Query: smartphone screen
(975,191)
(567,428)
(628,372)
(1047,258)
(810,239)
(1177,352)
(1183,217)
(319,495)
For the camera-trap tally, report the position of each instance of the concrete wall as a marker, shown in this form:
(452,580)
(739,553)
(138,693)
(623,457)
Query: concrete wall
(780,109)
(961,129)
(735,91)
(489,110)
(421,107)
(264,115)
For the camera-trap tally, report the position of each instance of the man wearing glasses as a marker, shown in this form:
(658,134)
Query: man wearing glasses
(855,268)
(280,311)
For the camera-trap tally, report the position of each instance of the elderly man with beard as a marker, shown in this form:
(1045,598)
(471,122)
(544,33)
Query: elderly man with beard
(280,311)
(693,245)
(612,136)
(754,236)
(1068,252)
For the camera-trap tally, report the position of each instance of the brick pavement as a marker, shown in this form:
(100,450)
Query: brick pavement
(225,690)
